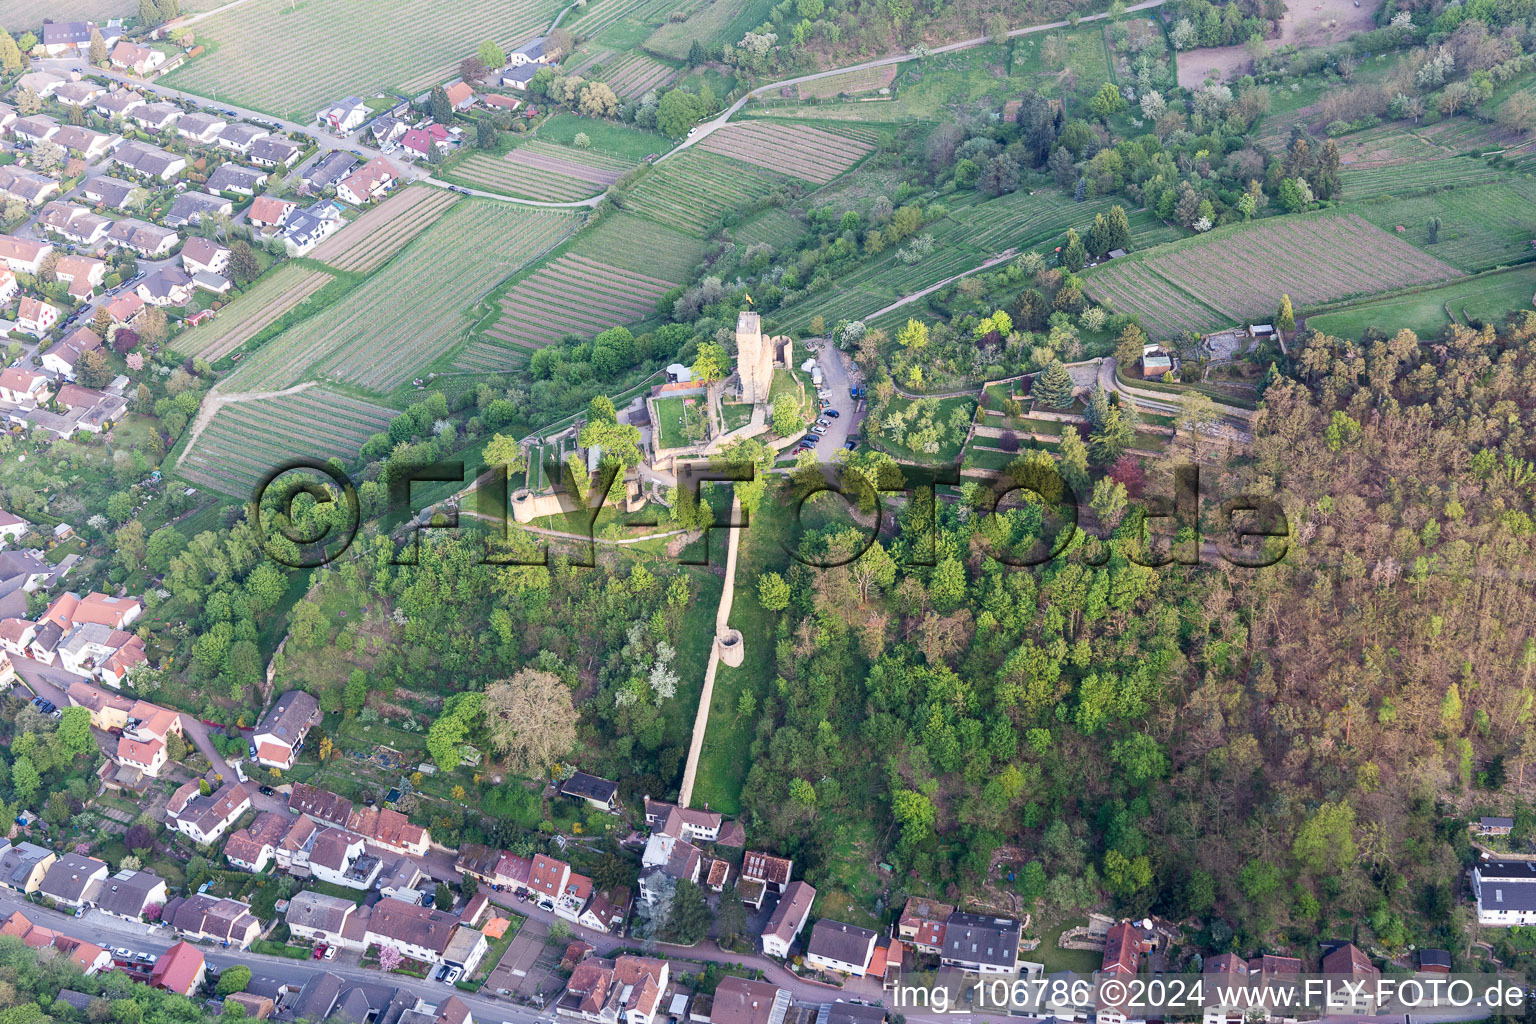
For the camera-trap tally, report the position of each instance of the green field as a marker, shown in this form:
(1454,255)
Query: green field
(415,309)
(1488,298)
(672,413)
(1401,179)
(345,48)
(607,137)
(713,21)
(695,189)
(1480,228)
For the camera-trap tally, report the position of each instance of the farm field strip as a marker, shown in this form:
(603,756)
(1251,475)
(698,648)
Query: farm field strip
(600,16)
(1459,171)
(1133,288)
(594,168)
(693,190)
(644,247)
(705,22)
(366,243)
(246,316)
(431,284)
(1480,227)
(345,48)
(636,74)
(579,67)
(850,82)
(799,150)
(775,227)
(496,174)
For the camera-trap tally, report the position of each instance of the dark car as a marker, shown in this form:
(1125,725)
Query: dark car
(265,790)
(832,413)
(253,751)
(851,445)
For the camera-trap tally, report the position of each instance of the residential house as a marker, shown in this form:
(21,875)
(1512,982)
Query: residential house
(574,897)
(167,286)
(148,240)
(1494,826)
(386,129)
(86,645)
(191,207)
(344,117)
(399,881)
(83,142)
(109,711)
(1123,947)
(317,917)
(253,848)
(307,228)
(598,792)
(89,957)
(328,170)
(23,866)
(125,307)
(36,317)
(74,880)
(466,947)
(23,255)
(496,101)
(1229,993)
(787,919)
(240,137)
(1155,361)
(82,273)
(128,894)
(269,212)
(252,1005)
(422,933)
(204,255)
(518,77)
(368,182)
(667,857)
(1357,994)
(607,911)
(34,128)
(274,151)
(44,83)
(835,946)
(205,918)
(64,358)
(320,804)
(453,1011)
(692,824)
(460,95)
(419,142)
(149,161)
(120,665)
(548,876)
(234,178)
(478,861)
(773,872)
(1435,961)
(9,286)
(535,51)
(1505,891)
(12,526)
(158,116)
(205,818)
(922,924)
(739,1001)
(78,94)
(140,60)
(28,187)
(119,103)
(280,735)
(293,851)
(981,943)
(180,969)
(112,192)
(74,37)
(340,857)
(625,990)
(200,127)
(390,830)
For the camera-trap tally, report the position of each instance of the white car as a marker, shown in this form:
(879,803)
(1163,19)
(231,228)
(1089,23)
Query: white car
(692,130)
(454,973)
(819,429)
(330,952)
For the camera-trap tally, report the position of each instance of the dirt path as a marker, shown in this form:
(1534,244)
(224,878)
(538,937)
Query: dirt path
(722,619)
(1305,23)
(215,401)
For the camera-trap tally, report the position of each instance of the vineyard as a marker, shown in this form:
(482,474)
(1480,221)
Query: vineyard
(633,244)
(247,315)
(572,295)
(345,48)
(365,244)
(775,227)
(635,74)
(1241,273)
(594,18)
(798,150)
(849,82)
(1480,228)
(711,21)
(413,310)
(248,440)
(537,170)
(1399,179)
(691,191)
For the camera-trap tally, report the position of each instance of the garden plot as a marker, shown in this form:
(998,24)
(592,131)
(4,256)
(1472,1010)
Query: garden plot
(691,191)
(247,315)
(849,82)
(799,150)
(635,74)
(415,309)
(346,48)
(538,170)
(366,243)
(572,295)
(247,440)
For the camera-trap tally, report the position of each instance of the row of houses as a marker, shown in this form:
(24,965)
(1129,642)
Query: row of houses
(86,636)
(422,933)
(570,894)
(325,996)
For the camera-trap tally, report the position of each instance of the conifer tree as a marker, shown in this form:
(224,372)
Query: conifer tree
(1053,388)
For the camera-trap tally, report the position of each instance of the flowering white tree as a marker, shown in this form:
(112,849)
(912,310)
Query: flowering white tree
(389,958)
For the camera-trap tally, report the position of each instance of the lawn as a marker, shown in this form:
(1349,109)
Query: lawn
(345,48)
(610,137)
(674,416)
(1488,297)
(735,414)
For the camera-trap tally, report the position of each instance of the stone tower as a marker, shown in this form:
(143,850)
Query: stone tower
(754,358)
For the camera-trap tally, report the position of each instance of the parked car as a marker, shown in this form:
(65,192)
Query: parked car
(319,953)
(330,952)
(454,973)
(855,392)
(833,413)
(851,445)
(546,905)
(253,751)
(823,422)
(121,953)
(819,429)
(265,790)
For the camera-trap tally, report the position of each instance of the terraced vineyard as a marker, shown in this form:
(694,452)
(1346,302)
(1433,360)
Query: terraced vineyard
(693,189)
(365,244)
(1400,179)
(849,82)
(571,295)
(247,440)
(538,170)
(777,228)
(247,315)
(346,48)
(594,18)
(414,309)
(629,243)
(798,150)
(1241,273)
(1480,227)
(635,74)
